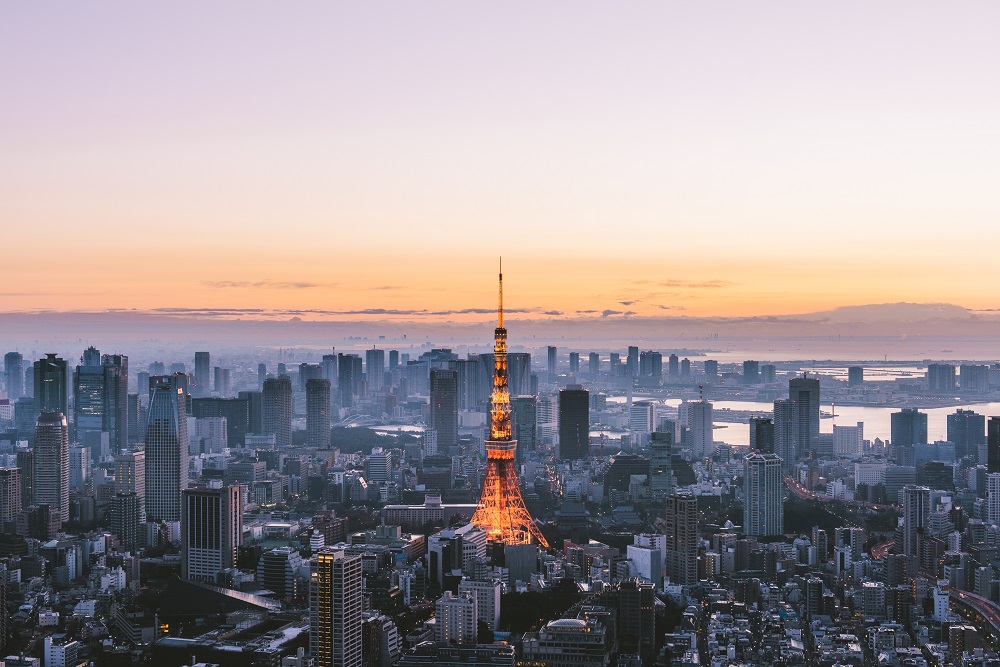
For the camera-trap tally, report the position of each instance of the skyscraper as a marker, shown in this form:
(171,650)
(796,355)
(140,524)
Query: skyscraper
(804,392)
(762,435)
(348,378)
(524,421)
(941,378)
(673,364)
(13,368)
(682,539)
(574,423)
(318,413)
(751,372)
(335,608)
(276,403)
(660,465)
(444,407)
(551,357)
(855,376)
(967,430)
(375,369)
(993,445)
(698,419)
(202,373)
(786,430)
(51,474)
(100,390)
(519,373)
(594,365)
(632,362)
(130,477)
(574,363)
(908,427)
(763,485)
(166,447)
(650,368)
(211,531)
(916,512)
(10,495)
(50,385)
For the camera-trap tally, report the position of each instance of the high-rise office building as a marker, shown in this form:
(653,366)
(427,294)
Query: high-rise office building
(711,369)
(519,373)
(594,365)
(941,378)
(632,362)
(993,498)
(916,513)
(51,461)
(908,427)
(698,419)
(661,474)
(685,367)
(235,410)
(166,447)
(673,364)
(524,422)
(202,373)
(348,378)
(223,384)
(130,477)
(682,539)
(375,369)
(318,413)
(444,407)
(974,378)
(127,519)
(335,608)
(100,390)
(13,368)
(804,392)
(255,412)
(26,464)
(786,430)
(762,435)
(211,531)
(967,430)
(993,445)
(768,373)
(636,619)
(79,468)
(751,372)
(261,375)
(50,385)
(651,367)
(10,494)
(574,423)
(763,485)
(574,363)
(551,358)
(855,376)
(276,404)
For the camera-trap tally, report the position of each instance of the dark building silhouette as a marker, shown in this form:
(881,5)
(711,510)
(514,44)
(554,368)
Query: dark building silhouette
(13,368)
(804,392)
(574,423)
(444,407)
(524,422)
(967,430)
(751,372)
(235,410)
(348,378)
(682,539)
(50,385)
(551,357)
(100,391)
(855,376)
(762,434)
(993,445)
(276,403)
(202,373)
(908,427)
(673,364)
(318,413)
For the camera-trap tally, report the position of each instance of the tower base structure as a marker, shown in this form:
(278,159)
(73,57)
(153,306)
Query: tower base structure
(502,514)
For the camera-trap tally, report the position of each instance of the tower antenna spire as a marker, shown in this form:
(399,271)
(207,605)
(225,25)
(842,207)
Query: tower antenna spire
(500,298)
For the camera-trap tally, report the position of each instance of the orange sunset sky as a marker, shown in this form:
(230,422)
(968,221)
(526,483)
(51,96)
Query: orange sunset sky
(647,158)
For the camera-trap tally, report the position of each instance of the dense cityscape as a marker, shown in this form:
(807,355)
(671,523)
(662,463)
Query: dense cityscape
(549,507)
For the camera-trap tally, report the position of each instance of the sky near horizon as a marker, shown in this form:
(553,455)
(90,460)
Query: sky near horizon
(652,158)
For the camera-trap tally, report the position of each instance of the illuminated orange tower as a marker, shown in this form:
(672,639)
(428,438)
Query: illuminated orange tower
(502,514)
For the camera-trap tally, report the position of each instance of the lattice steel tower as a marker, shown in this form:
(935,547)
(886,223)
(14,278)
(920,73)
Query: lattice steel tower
(502,514)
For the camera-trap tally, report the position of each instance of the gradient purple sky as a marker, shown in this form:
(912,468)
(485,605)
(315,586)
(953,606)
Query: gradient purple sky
(705,158)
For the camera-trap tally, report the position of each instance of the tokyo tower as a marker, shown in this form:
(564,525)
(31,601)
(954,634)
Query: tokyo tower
(502,514)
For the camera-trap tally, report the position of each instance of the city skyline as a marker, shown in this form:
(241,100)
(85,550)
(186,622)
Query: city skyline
(655,159)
